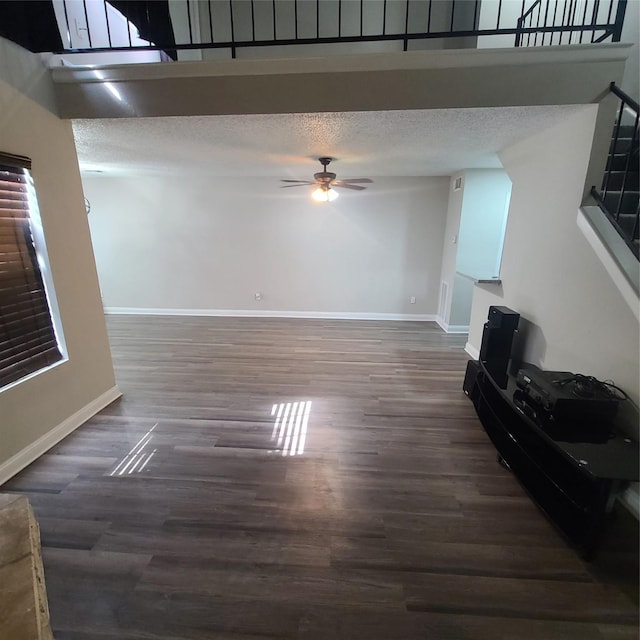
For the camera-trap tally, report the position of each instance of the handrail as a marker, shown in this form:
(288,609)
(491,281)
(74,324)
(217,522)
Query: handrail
(627,99)
(529,10)
(619,195)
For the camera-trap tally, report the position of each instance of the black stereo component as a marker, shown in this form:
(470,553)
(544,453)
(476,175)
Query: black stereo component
(469,384)
(565,396)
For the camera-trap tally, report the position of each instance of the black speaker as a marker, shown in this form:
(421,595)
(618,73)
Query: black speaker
(496,343)
(503,318)
(497,338)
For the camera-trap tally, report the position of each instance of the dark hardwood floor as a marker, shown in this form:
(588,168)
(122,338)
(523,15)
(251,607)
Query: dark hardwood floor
(305,479)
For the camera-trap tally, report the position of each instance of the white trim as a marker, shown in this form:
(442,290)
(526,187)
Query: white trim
(398,61)
(452,328)
(253,313)
(631,500)
(472,351)
(33,451)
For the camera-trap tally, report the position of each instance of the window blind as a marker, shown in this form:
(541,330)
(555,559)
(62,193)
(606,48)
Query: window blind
(27,336)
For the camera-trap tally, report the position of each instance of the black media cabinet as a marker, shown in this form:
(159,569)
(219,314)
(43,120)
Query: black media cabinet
(574,483)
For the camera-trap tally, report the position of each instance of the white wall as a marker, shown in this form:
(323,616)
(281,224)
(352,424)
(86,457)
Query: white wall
(575,319)
(207,243)
(476,219)
(450,248)
(631,34)
(461,298)
(35,412)
(482,223)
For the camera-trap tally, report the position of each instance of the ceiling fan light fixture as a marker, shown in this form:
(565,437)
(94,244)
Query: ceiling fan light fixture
(324,194)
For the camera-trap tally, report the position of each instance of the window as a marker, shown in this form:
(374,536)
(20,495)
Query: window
(28,340)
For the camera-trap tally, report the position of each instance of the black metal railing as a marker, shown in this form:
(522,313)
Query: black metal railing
(93,25)
(619,195)
(553,22)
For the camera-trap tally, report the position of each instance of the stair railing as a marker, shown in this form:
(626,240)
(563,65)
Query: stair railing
(618,197)
(89,26)
(576,21)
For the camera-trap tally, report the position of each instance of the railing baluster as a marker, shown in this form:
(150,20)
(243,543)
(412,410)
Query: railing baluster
(594,15)
(253,22)
(610,11)
(86,17)
(273,4)
(406,25)
(295,16)
(211,23)
(429,17)
(573,19)
(384,17)
(106,20)
(339,18)
(499,12)
(564,14)
(619,21)
(627,165)
(361,17)
(535,38)
(584,20)
(553,23)
(233,35)
(520,25)
(317,18)
(546,16)
(613,198)
(453,13)
(614,144)
(129,31)
(66,18)
(189,21)
(475,14)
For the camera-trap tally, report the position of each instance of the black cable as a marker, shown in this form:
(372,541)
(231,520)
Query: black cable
(606,386)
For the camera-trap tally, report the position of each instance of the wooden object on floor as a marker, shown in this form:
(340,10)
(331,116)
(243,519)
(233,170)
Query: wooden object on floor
(24,614)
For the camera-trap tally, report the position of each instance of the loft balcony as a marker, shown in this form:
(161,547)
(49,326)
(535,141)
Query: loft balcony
(81,32)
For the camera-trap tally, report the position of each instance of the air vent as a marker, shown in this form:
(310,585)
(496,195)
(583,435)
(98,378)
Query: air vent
(457,183)
(444,295)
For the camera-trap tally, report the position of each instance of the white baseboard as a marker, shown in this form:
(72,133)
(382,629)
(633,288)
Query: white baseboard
(452,328)
(254,313)
(26,456)
(472,351)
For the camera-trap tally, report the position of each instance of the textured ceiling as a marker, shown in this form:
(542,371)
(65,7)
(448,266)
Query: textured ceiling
(381,143)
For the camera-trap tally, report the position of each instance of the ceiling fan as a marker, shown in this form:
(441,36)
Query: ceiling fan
(326,181)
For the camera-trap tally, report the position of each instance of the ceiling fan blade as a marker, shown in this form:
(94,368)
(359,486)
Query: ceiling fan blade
(299,181)
(301,184)
(356,180)
(342,185)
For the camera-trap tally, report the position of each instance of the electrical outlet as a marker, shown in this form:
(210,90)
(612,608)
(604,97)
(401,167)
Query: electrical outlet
(412,299)
(257,296)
